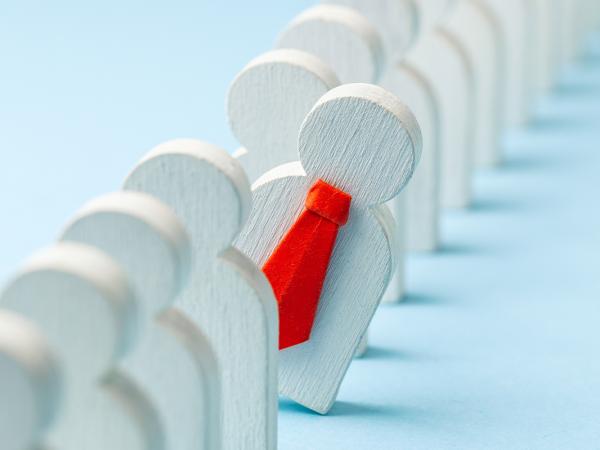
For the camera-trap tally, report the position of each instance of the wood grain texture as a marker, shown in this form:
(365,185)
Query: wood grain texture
(341,37)
(81,302)
(475,26)
(358,138)
(267,102)
(317,31)
(420,220)
(145,237)
(454,89)
(227,296)
(30,384)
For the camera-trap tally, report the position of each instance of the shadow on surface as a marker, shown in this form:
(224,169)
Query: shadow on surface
(530,164)
(340,409)
(576,89)
(375,352)
(417,299)
(494,205)
(448,249)
(589,60)
(545,124)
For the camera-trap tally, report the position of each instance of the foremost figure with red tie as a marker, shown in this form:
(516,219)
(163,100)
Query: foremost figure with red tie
(321,232)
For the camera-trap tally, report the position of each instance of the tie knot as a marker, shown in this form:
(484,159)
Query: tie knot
(329,202)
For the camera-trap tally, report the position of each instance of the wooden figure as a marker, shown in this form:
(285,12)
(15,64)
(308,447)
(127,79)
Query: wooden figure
(583,15)
(30,384)
(514,17)
(80,301)
(454,89)
(358,148)
(475,26)
(342,38)
(171,361)
(227,296)
(279,87)
(397,22)
(544,75)
(566,30)
(348,43)
(409,83)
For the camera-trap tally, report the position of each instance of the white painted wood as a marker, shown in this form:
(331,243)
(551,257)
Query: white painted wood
(555,38)
(594,13)
(432,12)
(172,361)
(567,44)
(363,346)
(422,196)
(586,20)
(336,34)
(227,296)
(342,38)
(475,27)
(347,42)
(361,139)
(543,66)
(267,103)
(30,383)
(81,302)
(454,90)
(513,16)
(397,22)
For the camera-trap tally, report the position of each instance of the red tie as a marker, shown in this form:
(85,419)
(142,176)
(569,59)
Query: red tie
(298,266)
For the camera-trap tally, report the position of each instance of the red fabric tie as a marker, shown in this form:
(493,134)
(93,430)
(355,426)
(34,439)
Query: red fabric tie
(298,266)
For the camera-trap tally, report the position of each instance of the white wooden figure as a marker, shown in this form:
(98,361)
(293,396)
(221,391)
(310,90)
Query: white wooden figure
(342,38)
(398,22)
(475,26)
(555,38)
(359,138)
(363,346)
(80,301)
(543,65)
(515,25)
(280,86)
(267,102)
(227,296)
(567,45)
(348,43)
(171,361)
(30,384)
(584,21)
(594,13)
(455,92)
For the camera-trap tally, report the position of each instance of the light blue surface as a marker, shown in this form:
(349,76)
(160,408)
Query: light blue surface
(497,346)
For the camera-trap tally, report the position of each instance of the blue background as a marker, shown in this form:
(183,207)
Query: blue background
(497,345)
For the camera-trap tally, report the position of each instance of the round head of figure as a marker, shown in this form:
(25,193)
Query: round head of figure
(203,185)
(145,237)
(268,101)
(80,300)
(341,37)
(361,139)
(397,21)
